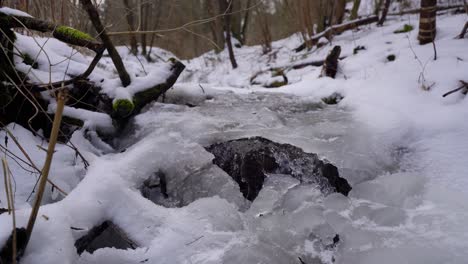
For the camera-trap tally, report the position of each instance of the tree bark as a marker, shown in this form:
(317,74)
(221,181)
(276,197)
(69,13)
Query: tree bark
(144,12)
(226,8)
(116,59)
(245,23)
(384,12)
(340,8)
(216,26)
(354,11)
(427,21)
(131,27)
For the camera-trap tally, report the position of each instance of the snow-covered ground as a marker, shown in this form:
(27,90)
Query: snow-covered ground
(402,148)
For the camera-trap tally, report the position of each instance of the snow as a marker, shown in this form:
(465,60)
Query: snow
(13,12)
(403,150)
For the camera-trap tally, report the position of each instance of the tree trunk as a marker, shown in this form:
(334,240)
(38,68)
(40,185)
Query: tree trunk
(157,18)
(216,26)
(226,7)
(340,8)
(354,11)
(131,27)
(463,32)
(245,23)
(144,12)
(384,12)
(378,4)
(116,59)
(427,21)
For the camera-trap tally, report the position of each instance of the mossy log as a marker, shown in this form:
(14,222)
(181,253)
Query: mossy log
(123,108)
(32,112)
(63,33)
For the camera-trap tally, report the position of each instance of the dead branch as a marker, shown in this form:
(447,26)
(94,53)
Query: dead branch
(418,10)
(65,34)
(337,29)
(463,86)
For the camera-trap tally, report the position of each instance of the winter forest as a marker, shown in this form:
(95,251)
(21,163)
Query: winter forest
(233,131)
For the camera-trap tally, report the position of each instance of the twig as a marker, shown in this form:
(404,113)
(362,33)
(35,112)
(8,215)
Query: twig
(201,87)
(31,163)
(10,196)
(188,244)
(463,85)
(45,171)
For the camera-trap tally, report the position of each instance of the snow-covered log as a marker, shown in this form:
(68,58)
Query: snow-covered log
(123,108)
(337,29)
(63,33)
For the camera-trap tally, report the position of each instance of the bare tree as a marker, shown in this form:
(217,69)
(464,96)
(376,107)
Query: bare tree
(384,12)
(94,17)
(354,11)
(226,7)
(216,26)
(340,8)
(427,21)
(131,27)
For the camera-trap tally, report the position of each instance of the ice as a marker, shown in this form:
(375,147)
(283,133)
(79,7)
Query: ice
(274,187)
(399,189)
(337,202)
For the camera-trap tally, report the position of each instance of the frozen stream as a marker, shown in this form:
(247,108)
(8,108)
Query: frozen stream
(399,210)
(385,218)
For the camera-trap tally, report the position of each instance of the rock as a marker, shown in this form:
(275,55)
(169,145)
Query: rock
(250,160)
(106,235)
(21,242)
(333,99)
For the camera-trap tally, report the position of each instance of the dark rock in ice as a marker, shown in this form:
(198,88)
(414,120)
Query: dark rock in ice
(6,256)
(106,235)
(249,160)
(333,99)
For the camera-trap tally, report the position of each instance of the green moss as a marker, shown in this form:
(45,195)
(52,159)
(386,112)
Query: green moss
(28,60)
(73,33)
(123,107)
(276,84)
(406,28)
(391,57)
(277,72)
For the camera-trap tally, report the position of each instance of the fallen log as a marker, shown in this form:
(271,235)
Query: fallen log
(124,108)
(86,95)
(418,10)
(284,69)
(337,29)
(63,33)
